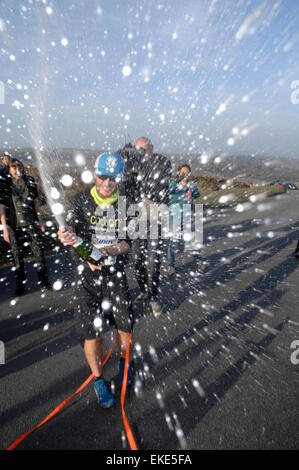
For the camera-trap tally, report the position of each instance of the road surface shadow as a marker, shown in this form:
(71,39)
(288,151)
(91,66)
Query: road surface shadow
(60,267)
(83,425)
(181,286)
(153,425)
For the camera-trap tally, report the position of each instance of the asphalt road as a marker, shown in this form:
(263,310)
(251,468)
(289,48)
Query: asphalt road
(213,372)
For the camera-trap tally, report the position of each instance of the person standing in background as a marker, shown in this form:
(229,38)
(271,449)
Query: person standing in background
(181,191)
(154,180)
(22,223)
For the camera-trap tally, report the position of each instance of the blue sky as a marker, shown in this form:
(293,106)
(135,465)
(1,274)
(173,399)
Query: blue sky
(195,75)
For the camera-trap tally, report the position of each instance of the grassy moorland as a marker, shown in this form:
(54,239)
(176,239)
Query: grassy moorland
(230,195)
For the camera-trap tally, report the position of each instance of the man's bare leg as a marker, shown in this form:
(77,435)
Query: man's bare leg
(122,340)
(94,355)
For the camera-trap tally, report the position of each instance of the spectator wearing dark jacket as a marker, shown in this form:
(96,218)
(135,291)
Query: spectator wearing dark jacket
(21,222)
(132,172)
(154,177)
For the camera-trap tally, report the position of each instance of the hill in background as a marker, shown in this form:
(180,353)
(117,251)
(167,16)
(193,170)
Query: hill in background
(258,168)
(241,167)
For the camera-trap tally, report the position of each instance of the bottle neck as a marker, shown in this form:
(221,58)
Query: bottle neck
(78,242)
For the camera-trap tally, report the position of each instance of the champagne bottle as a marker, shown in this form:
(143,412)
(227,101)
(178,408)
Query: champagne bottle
(88,251)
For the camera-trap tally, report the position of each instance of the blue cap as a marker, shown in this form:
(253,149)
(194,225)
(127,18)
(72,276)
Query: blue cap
(111,164)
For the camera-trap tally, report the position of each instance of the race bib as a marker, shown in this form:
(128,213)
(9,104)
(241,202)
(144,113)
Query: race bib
(104,240)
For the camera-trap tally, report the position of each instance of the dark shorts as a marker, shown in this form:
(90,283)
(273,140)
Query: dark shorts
(110,304)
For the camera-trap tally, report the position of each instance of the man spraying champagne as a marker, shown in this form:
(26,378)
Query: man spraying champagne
(102,292)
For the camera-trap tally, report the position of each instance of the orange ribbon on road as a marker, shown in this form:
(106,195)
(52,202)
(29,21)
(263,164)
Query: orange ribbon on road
(59,407)
(129,433)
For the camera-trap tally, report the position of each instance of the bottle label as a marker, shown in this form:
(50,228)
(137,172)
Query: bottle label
(105,242)
(95,254)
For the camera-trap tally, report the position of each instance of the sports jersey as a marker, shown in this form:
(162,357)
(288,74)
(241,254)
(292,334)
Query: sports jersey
(102,226)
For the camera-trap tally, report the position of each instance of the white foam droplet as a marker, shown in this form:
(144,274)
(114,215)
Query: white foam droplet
(97,323)
(126,70)
(55,194)
(187,237)
(80,159)
(66,180)
(57,285)
(106,305)
(57,208)
(86,176)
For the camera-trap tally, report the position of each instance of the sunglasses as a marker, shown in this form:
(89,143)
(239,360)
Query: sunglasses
(104,177)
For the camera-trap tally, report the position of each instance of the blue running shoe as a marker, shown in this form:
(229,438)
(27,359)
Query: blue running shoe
(121,366)
(105,397)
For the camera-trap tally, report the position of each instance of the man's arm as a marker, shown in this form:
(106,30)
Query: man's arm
(120,248)
(67,237)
